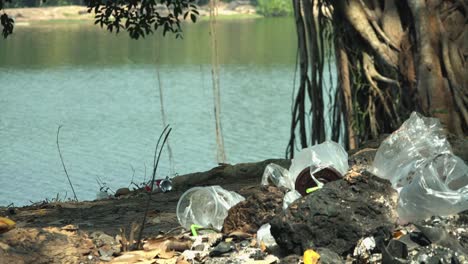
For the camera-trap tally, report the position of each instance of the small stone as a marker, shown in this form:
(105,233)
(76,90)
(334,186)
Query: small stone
(375,258)
(221,248)
(435,220)
(122,191)
(328,256)
(397,249)
(420,238)
(199,247)
(101,239)
(244,243)
(258,255)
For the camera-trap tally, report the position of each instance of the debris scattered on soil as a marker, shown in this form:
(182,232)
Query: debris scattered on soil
(351,220)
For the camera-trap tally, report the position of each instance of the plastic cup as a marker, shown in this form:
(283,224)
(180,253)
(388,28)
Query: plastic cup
(206,206)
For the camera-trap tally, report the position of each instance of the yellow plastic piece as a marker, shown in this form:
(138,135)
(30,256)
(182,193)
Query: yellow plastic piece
(6,225)
(311,257)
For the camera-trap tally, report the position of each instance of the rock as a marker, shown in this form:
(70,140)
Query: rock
(107,246)
(329,257)
(397,249)
(221,248)
(122,191)
(419,238)
(240,173)
(291,259)
(100,239)
(337,216)
(256,210)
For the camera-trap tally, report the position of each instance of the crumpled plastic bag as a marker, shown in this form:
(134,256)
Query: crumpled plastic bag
(278,175)
(317,157)
(327,154)
(418,160)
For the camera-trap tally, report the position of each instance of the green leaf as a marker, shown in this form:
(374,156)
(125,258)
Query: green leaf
(193,17)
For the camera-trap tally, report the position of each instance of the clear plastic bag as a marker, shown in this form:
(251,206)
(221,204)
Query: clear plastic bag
(417,159)
(318,164)
(311,167)
(328,154)
(290,197)
(439,187)
(278,175)
(206,206)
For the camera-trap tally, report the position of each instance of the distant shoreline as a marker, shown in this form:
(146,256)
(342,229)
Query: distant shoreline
(73,14)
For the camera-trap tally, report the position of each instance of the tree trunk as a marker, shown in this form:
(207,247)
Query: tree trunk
(393,57)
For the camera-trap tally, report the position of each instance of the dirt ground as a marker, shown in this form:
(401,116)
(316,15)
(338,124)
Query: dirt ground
(72,232)
(61,232)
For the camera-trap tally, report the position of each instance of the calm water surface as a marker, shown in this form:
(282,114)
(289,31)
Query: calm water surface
(103,89)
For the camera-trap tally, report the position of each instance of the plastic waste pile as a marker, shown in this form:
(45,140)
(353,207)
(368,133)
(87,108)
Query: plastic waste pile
(206,206)
(418,160)
(309,170)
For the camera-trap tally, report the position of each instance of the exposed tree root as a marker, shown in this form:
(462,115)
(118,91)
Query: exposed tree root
(371,73)
(357,17)
(373,20)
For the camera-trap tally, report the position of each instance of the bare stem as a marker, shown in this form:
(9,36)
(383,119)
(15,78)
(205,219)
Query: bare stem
(156,163)
(63,164)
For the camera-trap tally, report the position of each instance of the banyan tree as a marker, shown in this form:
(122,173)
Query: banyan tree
(392,57)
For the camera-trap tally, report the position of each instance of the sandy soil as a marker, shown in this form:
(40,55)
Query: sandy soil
(61,232)
(69,13)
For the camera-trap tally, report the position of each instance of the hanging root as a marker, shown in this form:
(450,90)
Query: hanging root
(373,20)
(371,73)
(372,114)
(359,20)
(459,91)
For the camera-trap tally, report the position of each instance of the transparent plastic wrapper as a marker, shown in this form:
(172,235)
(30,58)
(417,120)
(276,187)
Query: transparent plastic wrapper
(290,197)
(264,235)
(311,167)
(318,164)
(277,175)
(206,206)
(317,157)
(417,159)
(439,187)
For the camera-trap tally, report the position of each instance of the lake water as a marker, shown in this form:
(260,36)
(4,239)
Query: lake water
(103,90)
